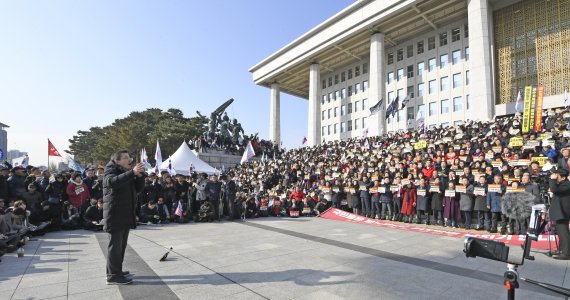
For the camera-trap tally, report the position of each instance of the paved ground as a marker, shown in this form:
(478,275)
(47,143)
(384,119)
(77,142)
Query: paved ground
(307,258)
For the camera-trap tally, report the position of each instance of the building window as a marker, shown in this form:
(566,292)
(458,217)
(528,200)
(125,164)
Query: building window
(420,47)
(364,122)
(466,30)
(431,87)
(421,111)
(342,110)
(336,95)
(457,80)
(335,128)
(410,91)
(467,101)
(349,107)
(324,84)
(342,76)
(420,89)
(323,115)
(349,73)
(330,97)
(390,59)
(390,97)
(390,77)
(410,113)
(357,88)
(432,109)
(349,90)
(400,54)
(431,43)
(456,56)
(410,71)
(330,81)
(409,51)
(365,68)
(444,83)
(444,106)
(365,85)
(467,77)
(443,39)
(443,60)
(342,93)
(324,99)
(364,104)
(335,112)
(401,95)
(431,64)
(329,129)
(323,131)
(421,68)
(400,74)
(356,121)
(336,79)
(342,127)
(329,113)
(356,104)
(466,53)
(455,35)
(356,71)
(349,125)
(457,104)
(444,124)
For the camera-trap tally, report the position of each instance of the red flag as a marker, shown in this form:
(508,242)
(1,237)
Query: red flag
(51,150)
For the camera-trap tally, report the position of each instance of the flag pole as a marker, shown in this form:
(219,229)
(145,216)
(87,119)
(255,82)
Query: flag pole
(48,156)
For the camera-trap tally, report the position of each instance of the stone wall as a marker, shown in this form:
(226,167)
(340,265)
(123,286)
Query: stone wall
(218,158)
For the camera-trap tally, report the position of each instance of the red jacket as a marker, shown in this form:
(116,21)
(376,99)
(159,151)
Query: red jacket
(409,197)
(78,194)
(298,196)
(428,173)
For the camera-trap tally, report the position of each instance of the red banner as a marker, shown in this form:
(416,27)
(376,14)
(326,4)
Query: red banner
(51,150)
(538,115)
(340,215)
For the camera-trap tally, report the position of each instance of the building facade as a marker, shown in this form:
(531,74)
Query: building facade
(451,60)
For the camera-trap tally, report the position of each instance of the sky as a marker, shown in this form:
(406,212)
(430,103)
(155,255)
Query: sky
(71,65)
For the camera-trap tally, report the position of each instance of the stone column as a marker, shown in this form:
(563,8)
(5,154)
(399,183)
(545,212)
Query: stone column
(275,115)
(481,73)
(314,128)
(377,86)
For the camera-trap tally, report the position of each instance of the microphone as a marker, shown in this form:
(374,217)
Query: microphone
(517,206)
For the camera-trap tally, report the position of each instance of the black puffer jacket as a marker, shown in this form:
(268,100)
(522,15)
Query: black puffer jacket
(120,189)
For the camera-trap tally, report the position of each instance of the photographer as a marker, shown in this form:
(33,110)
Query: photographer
(560,209)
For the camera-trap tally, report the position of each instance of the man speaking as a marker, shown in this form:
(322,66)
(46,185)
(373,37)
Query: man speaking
(121,184)
(560,209)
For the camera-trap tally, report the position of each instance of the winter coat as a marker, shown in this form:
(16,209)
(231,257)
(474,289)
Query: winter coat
(480,201)
(436,200)
(451,207)
(78,194)
(120,188)
(494,199)
(466,199)
(16,185)
(422,202)
(409,199)
(560,204)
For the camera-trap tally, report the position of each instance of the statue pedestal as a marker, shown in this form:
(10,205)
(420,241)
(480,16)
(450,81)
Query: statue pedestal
(218,158)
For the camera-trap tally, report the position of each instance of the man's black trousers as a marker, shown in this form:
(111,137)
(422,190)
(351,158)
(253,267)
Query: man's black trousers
(564,235)
(116,252)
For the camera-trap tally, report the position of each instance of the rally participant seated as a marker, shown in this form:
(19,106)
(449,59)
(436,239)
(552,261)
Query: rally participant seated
(149,213)
(93,216)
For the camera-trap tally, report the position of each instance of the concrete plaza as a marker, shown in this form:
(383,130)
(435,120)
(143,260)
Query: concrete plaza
(267,258)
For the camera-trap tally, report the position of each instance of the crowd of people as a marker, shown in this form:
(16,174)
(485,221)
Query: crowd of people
(442,176)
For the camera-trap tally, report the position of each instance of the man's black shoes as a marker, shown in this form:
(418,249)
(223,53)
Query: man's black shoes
(119,280)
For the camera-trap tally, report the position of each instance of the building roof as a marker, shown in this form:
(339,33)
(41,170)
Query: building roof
(345,38)
(2,125)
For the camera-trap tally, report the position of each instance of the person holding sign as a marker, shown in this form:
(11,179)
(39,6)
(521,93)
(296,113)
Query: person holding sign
(451,213)
(422,203)
(353,198)
(78,192)
(396,199)
(386,198)
(435,192)
(375,198)
(480,193)
(494,204)
(337,194)
(466,202)
(363,186)
(409,201)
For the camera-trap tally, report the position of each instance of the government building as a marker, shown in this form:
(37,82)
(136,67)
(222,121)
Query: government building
(451,60)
